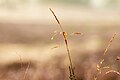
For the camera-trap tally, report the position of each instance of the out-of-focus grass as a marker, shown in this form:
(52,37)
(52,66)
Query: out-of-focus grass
(26,29)
(49,64)
(32,42)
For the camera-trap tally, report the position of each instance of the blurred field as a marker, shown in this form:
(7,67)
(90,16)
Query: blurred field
(25,36)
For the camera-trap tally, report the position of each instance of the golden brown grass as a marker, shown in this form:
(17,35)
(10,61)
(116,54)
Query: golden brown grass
(100,66)
(54,70)
(64,34)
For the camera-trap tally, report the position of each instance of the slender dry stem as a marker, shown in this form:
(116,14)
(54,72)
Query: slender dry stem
(72,75)
(26,71)
(109,44)
(99,68)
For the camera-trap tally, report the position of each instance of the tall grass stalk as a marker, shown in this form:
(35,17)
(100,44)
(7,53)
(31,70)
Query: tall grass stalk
(72,74)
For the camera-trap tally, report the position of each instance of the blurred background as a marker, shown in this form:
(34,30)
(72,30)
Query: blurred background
(26,28)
